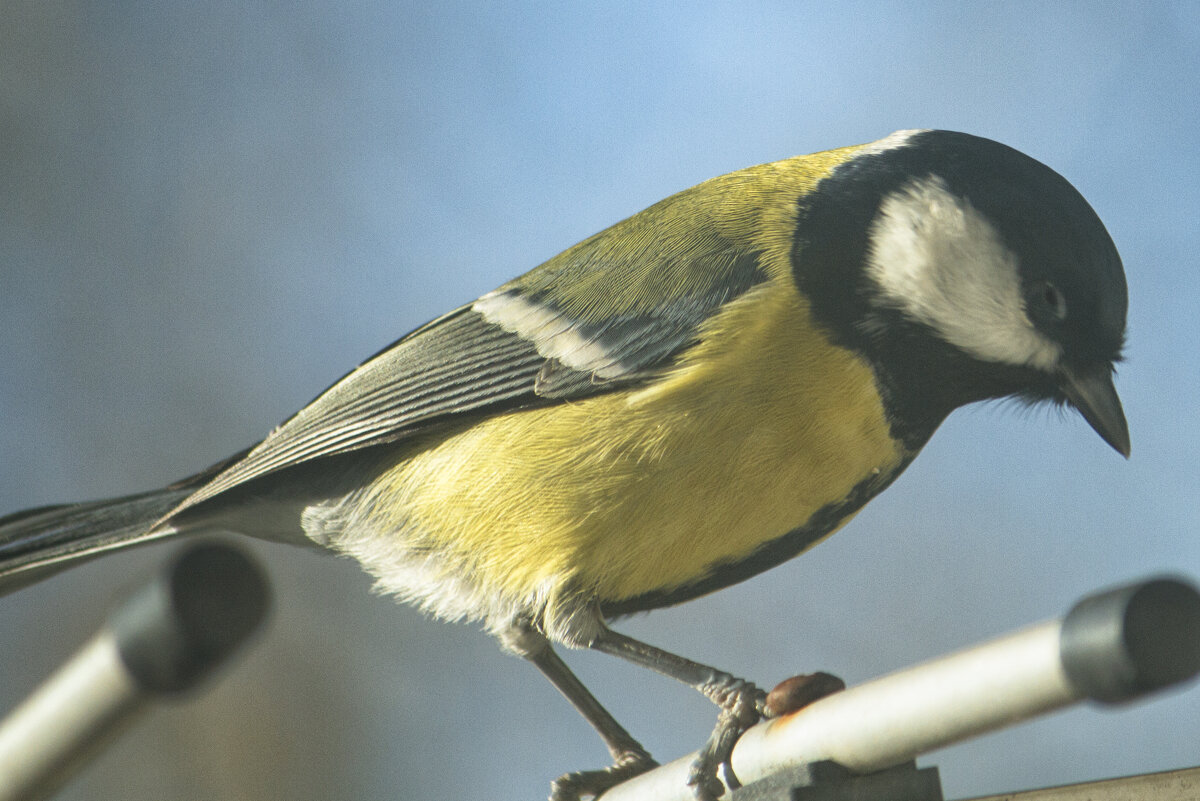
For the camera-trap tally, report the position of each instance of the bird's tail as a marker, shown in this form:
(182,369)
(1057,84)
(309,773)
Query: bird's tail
(36,543)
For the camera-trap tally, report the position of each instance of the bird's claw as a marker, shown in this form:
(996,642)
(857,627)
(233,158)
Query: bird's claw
(742,705)
(574,786)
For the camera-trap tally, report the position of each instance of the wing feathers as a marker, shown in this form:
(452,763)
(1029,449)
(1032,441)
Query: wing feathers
(515,347)
(459,364)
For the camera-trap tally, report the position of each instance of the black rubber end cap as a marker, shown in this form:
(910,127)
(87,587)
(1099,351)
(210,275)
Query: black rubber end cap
(173,632)
(1123,643)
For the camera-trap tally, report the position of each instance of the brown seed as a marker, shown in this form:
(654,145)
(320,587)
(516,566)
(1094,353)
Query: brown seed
(798,692)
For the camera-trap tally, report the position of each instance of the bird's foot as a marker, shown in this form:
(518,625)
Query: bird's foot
(742,705)
(574,786)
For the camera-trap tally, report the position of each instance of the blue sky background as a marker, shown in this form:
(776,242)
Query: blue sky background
(208,212)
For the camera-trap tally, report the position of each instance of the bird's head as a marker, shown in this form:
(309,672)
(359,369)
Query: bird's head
(979,273)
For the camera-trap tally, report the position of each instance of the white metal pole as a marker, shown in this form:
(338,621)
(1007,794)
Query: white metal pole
(65,720)
(164,640)
(1111,647)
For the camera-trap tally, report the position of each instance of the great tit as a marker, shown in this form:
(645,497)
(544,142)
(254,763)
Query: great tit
(696,394)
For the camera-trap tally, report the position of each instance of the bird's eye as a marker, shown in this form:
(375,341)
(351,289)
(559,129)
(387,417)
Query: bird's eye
(1049,295)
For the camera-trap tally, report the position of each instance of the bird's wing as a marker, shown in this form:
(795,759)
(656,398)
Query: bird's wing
(607,313)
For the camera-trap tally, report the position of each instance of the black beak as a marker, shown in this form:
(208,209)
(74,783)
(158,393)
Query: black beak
(1094,395)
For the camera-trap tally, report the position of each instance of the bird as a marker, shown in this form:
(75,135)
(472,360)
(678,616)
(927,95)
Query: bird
(696,394)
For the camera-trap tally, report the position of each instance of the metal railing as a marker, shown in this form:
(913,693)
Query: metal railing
(1111,647)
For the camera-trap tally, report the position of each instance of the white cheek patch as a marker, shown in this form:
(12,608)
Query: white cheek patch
(938,260)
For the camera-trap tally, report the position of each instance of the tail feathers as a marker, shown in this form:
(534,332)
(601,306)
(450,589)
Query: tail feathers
(37,543)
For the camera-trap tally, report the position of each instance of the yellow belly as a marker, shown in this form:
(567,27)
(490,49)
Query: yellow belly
(631,492)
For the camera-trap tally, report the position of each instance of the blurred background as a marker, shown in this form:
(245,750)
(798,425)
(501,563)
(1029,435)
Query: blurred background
(210,211)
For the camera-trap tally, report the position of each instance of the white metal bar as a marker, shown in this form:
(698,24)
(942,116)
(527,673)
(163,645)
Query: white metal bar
(163,640)
(1112,646)
(891,719)
(65,720)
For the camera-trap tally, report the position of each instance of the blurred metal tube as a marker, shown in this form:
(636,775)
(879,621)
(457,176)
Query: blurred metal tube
(66,720)
(164,640)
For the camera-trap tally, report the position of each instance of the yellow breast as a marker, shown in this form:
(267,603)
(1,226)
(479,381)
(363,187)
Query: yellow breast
(760,425)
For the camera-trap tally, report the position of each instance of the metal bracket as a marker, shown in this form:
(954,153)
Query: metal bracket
(829,781)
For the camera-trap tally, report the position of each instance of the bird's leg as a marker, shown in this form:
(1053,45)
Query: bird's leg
(742,705)
(629,757)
